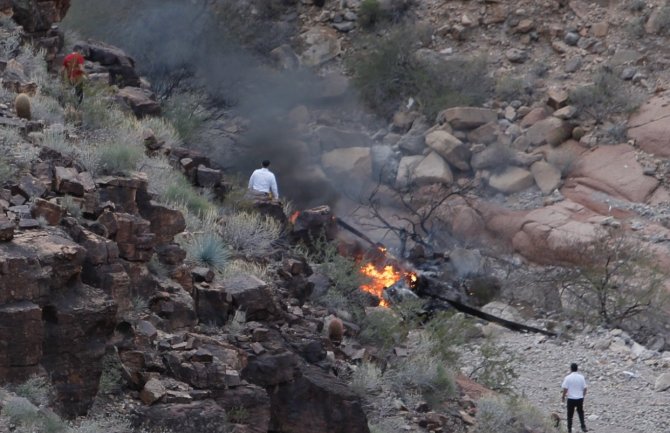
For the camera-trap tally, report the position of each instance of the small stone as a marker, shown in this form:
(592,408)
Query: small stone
(573,64)
(516,55)
(628,73)
(571,38)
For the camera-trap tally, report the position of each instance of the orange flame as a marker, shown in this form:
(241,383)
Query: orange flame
(383,278)
(294,217)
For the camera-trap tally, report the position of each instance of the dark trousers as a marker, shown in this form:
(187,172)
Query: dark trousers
(579,404)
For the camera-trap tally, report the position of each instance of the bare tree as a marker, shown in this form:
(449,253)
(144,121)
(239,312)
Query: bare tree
(415,218)
(614,279)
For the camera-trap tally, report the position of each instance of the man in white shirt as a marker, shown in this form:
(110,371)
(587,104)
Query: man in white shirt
(263,180)
(574,387)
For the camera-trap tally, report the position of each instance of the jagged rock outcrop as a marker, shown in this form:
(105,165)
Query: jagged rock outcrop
(36,15)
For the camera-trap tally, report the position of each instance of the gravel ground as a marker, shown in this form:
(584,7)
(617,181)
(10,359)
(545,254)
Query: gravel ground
(620,376)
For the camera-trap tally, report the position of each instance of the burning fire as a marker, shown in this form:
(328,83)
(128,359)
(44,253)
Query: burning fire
(294,217)
(383,278)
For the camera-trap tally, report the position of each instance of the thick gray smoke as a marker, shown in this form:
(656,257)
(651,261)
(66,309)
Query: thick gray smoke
(221,46)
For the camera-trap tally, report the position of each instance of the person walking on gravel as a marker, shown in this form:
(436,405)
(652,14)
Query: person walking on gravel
(574,388)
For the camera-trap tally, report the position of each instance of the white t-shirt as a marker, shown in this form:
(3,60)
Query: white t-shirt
(263,180)
(575,384)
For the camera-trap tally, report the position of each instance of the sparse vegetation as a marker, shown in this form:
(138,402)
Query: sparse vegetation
(563,159)
(118,158)
(509,415)
(37,390)
(389,72)
(185,114)
(249,232)
(614,279)
(607,95)
(111,379)
(207,249)
(509,88)
(366,379)
(369,13)
(383,328)
(495,369)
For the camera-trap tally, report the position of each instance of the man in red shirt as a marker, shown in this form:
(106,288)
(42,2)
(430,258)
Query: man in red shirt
(73,72)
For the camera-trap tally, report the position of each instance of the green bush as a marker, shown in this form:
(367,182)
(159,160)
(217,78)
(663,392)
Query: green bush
(383,328)
(250,232)
(367,379)
(509,88)
(185,113)
(37,389)
(509,415)
(111,379)
(606,96)
(495,369)
(369,13)
(388,71)
(180,192)
(207,249)
(119,158)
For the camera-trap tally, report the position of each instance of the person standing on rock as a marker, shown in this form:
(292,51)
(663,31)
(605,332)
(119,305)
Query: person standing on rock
(263,181)
(74,74)
(574,388)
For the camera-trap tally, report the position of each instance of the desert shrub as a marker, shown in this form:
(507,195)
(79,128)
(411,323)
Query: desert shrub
(369,13)
(118,158)
(495,368)
(6,170)
(180,192)
(111,379)
(615,133)
(422,371)
(446,331)
(207,249)
(607,95)
(163,130)
(71,206)
(157,268)
(635,5)
(244,267)
(21,411)
(9,45)
(389,72)
(99,110)
(383,328)
(185,113)
(237,322)
(44,107)
(509,88)
(250,232)
(663,20)
(509,415)
(366,379)
(37,390)
(614,280)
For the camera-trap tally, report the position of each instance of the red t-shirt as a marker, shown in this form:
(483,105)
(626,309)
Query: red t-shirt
(74,65)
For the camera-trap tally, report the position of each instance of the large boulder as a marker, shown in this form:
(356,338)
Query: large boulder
(547,177)
(21,338)
(37,15)
(552,131)
(316,402)
(468,117)
(648,126)
(141,101)
(384,164)
(432,169)
(120,65)
(406,170)
(251,295)
(511,180)
(322,44)
(450,148)
(77,326)
(615,171)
